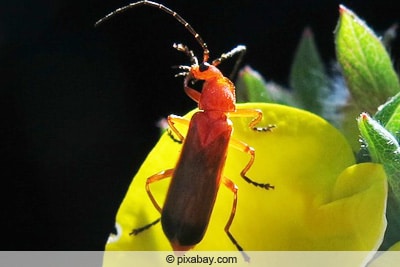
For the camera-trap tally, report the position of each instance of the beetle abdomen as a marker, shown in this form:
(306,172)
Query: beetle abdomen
(196,179)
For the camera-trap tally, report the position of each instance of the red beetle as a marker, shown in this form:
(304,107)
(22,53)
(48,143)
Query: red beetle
(199,171)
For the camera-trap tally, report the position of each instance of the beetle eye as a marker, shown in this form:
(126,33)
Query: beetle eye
(204,66)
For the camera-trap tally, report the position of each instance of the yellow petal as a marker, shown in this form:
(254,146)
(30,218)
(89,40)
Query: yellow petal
(319,201)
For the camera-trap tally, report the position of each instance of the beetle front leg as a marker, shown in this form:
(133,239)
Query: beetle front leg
(172,120)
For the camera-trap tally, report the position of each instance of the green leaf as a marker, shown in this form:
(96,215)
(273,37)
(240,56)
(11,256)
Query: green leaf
(384,148)
(251,87)
(365,63)
(389,116)
(307,76)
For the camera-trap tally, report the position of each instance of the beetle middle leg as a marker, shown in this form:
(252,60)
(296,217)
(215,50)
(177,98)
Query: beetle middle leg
(154,178)
(251,151)
(231,186)
(257,116)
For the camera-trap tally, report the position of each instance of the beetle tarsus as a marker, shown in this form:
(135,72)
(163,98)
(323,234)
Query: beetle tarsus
(176,140)
(239,248)
(141,229)
(266,186)
(264,129)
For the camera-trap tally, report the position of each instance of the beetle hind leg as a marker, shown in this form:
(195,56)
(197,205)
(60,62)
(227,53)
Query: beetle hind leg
(137,231)
(231,186)
(154,178)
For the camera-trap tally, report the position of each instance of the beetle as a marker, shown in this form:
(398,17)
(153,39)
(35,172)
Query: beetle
(196,178)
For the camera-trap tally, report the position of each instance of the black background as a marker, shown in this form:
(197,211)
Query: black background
(80,104)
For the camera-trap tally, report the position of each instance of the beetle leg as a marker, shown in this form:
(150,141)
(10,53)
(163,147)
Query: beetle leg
(154,178)
(251,151)
(192,93)
(256,114)
(172,120)
(231,186)
(141,229)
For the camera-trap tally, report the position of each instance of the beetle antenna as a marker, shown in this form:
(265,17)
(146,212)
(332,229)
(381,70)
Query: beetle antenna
(198,38)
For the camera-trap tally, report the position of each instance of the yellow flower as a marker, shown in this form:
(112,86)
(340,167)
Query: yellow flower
(321,200)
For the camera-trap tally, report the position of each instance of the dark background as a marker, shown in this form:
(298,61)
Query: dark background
(80,104)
